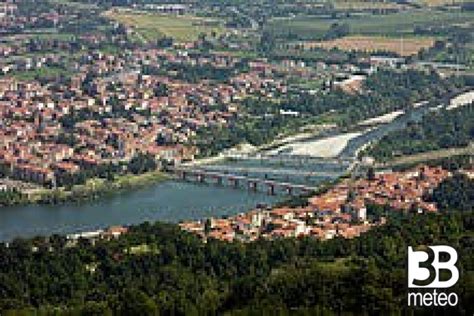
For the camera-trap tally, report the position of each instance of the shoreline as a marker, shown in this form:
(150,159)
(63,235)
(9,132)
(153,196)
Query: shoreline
(317,135)
(94,188)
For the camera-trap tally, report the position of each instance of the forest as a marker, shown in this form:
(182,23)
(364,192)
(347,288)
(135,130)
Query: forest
(455,193)
(158,269)
(442,129)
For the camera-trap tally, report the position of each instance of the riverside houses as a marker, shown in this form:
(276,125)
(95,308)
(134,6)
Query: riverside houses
(341,211)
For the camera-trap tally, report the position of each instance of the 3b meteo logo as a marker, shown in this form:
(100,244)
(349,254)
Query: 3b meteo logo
(424,272)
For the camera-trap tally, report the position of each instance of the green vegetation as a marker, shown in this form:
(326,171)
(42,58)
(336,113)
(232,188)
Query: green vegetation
(335,56)
(262,122)
(98,187)
(11,197)
(45,73)
(451,163)
(456,193)
(156,268)
(397,24)
(155,26)
(254,130)
(443,129)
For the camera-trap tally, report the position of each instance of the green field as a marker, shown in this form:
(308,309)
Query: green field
(45,72)
(364,5)
(368,4)
(74,4)
(151,26)
(404,23)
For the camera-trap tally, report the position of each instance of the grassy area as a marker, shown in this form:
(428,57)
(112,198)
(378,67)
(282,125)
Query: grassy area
(97,187)
(364,5)
(143,249)
(152,26)
(439,3)
(371,5)
(427,156)
(333,56)
(51,36)
(74,4)
(403,23)
(45,72)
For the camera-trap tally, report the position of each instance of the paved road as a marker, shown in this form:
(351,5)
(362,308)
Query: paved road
(268,170)
(427,156)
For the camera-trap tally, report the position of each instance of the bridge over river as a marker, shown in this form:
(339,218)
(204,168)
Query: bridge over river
(266,171)
(236,180)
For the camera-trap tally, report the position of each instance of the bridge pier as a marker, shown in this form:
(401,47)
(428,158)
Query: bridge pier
(252,185)
(234,182)
(271,189)
(200,177)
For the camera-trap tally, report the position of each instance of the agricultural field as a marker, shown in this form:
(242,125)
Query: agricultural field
(439,3)
(76,4)
(402,23)
(152,26)
(370,5)
(370,44)
(365,5)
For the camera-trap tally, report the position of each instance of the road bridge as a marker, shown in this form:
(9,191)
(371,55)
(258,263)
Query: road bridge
(269,170)
(253,184)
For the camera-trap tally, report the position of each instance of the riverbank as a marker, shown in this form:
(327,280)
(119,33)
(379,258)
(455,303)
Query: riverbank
(329,147)
(425,157)
(92,189)
(305,132)
(166,201)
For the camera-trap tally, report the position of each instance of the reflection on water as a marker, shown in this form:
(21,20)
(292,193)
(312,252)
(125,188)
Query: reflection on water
(170,201)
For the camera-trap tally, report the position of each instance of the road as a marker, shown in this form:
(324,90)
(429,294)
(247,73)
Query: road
(427,156)
(268,170)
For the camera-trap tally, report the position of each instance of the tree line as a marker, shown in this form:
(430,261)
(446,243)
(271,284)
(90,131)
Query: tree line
(383,92)
(438,130)
(157,268)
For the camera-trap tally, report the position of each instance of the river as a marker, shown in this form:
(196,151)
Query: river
(167,201)
(173,201)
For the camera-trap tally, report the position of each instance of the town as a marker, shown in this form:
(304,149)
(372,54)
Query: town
(235,157)
(116,106)
(49,131)
(107,112)
(341,211)
(95,95)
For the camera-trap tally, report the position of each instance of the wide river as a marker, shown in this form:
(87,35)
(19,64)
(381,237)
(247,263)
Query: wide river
(167,201)
(174,201)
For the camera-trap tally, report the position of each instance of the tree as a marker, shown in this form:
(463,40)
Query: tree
(455,194)
(95,309)
(267,42)
(137,303)
(165,42)
(208,226)
(337,30)
(141,163)
(371,174)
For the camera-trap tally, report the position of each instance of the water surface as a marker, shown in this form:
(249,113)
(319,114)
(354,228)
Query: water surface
(168,201)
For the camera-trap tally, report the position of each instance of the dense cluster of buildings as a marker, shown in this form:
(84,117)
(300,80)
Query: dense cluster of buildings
(12,21)
(114,107)
(341,211)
